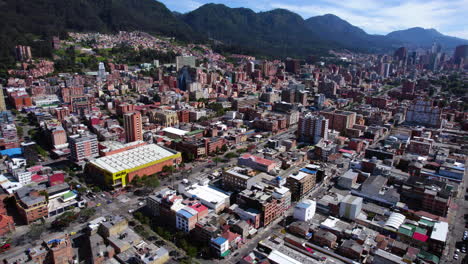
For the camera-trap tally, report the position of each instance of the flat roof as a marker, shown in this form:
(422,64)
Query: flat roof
(132,158)
(440,231)
(206,194)
(175,131)
(279,257)
(300,175)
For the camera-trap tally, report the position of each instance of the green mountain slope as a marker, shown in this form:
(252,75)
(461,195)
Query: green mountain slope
(25,21)
(420,37)
(335,29)
(278,32)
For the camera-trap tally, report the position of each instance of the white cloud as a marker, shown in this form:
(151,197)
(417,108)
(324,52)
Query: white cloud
(381,17)
(374,16)
(458,34)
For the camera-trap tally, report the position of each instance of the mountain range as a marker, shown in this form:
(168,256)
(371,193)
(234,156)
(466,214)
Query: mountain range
(277,32)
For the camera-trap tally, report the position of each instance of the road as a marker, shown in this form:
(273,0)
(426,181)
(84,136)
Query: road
(457,223)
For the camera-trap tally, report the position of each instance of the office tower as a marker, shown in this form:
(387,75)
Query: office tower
(133,127)
(386,70)
(102,72)
(460,56)
(293,66)
(400,54)
(436,48)
(2,100)
(312,128)
(319,100)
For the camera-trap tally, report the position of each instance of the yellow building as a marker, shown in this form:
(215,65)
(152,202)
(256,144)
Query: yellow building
(119,169)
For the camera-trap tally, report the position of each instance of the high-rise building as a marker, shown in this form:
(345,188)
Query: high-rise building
(423,112)
(340,120)
(293,66)
(133,127)
(436,48)
(312,128)
(29,151)
(400,54)
(23,53)
(386,70)
(408,86)
(319,100)
(2,100)
(460,56)
(101,71)
(83,147)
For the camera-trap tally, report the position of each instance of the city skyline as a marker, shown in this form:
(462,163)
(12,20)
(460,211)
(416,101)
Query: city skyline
(374,17)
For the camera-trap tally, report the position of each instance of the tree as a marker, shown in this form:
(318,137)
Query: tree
(216,160)
(19,131)
(231,155)
(87,213)
(224,148)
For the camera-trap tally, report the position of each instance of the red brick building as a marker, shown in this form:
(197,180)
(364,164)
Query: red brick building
(30,204)
(184,116)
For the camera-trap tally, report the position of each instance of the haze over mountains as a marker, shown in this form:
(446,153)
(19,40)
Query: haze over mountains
(277,32)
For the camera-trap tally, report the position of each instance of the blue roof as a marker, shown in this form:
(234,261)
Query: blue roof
(184,213)
(303,205)
(12,152)
(219,240)
(308,171)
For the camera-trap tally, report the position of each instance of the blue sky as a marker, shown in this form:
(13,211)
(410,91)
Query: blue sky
(449,17)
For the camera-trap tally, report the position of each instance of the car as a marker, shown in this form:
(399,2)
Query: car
(99,204)
(457,251)
(455,256)
(131,211)
(141,203)
(109,201)
(463,250)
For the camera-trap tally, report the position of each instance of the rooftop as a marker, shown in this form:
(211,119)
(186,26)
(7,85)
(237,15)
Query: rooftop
(133,158)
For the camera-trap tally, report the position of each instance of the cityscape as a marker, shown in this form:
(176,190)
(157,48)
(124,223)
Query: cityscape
(129,144)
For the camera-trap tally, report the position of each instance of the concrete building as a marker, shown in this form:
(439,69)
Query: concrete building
(209,196)
(269,203)
(304,210)
(350,207)
(187,217)
(238,179)
(83,147)
(340,120)
(423,112)
(220,246)
(348,180)
(165,118)
(133,127)
(312,128)
(2,100)
(300,184)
